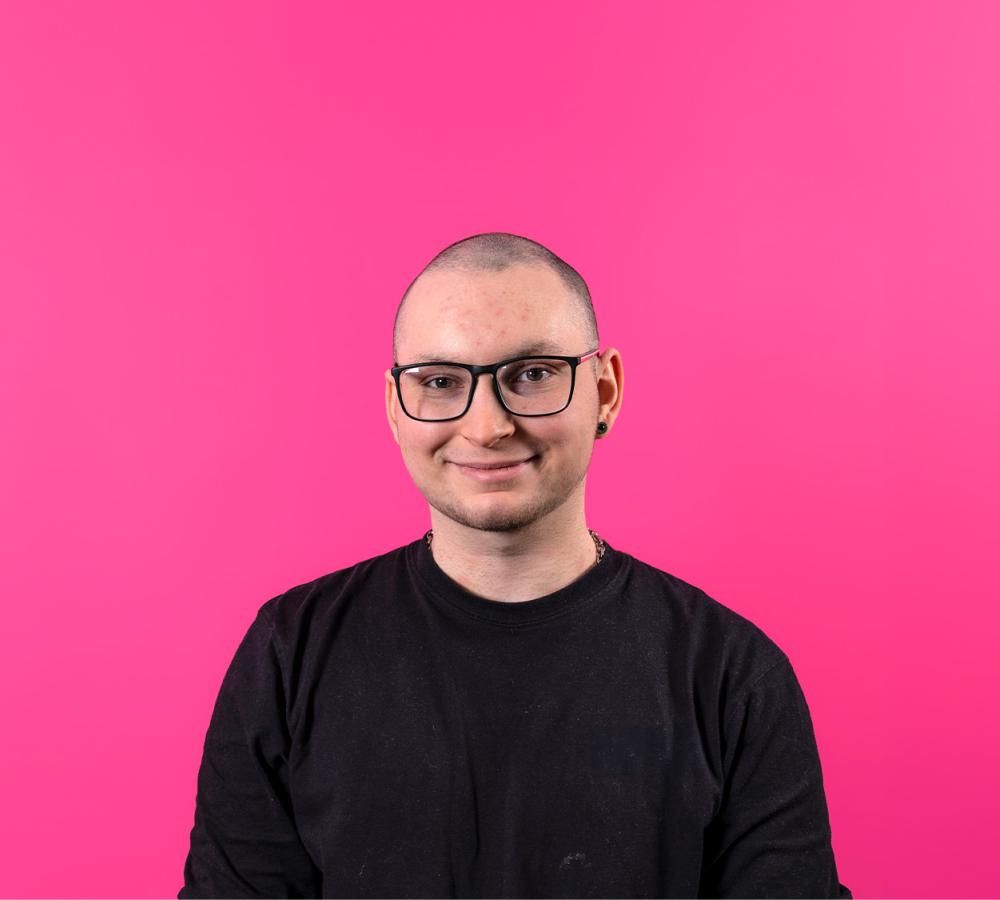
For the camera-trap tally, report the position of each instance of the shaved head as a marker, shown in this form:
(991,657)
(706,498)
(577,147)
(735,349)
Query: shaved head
(493,252)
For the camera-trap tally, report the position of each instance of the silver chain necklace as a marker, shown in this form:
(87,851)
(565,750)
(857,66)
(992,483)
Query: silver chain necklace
(597,542)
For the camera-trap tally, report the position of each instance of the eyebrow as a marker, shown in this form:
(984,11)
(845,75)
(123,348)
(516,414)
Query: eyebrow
(539,347)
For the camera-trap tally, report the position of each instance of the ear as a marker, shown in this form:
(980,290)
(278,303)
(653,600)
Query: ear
(391,405)
(610,385)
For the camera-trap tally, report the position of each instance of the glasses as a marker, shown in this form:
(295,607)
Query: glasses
(524,385)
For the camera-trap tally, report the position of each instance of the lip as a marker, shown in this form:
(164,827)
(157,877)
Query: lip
(493,472)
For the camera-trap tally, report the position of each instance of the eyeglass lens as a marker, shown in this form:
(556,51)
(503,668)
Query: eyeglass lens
(528,386)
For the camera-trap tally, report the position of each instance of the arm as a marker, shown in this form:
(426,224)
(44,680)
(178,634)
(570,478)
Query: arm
(771,837)
(244,842)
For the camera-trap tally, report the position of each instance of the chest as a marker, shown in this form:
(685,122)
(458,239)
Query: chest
(462,766)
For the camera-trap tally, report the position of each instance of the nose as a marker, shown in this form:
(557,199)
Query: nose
(486,420)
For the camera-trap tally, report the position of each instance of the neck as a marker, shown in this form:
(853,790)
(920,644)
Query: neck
(515,566)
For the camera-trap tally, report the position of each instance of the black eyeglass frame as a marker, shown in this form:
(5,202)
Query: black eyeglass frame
(476,371)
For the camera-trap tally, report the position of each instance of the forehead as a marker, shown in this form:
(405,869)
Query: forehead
(480,317)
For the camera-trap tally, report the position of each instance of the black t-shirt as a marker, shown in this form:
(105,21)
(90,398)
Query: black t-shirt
(382,732)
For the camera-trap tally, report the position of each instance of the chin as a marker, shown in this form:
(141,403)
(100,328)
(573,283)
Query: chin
(494,515)
(494,521)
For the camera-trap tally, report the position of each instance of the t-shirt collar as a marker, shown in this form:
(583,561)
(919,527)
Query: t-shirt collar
(596,582)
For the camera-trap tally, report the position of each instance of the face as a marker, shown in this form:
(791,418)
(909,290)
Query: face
(480,318)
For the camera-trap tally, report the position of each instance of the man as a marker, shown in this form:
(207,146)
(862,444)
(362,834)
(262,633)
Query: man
(508,706)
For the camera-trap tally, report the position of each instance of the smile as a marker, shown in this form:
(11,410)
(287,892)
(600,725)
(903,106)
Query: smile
(493,472)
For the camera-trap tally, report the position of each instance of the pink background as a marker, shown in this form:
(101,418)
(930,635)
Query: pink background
(788,214)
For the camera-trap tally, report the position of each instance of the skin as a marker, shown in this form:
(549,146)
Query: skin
(524,537)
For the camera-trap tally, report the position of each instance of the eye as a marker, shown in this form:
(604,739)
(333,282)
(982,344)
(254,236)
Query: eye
(434,382)
(536,374)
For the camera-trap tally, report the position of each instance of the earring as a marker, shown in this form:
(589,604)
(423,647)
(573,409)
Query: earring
(602,427)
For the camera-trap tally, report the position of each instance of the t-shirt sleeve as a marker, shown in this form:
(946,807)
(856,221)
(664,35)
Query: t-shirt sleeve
(771,837)
(244,842)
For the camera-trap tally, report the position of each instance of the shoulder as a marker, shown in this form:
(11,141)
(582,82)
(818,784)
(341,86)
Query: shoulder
(296,609)
(716,641)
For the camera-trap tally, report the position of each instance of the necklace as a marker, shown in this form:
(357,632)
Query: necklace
(598,543)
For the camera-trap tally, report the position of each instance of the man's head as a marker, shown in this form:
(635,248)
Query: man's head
(481,300)
(494,252)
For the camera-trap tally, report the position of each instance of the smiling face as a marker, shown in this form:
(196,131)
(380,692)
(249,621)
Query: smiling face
(482,317)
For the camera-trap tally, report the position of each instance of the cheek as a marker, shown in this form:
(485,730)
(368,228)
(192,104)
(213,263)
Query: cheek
(420,444)
(564,443)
